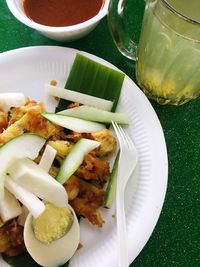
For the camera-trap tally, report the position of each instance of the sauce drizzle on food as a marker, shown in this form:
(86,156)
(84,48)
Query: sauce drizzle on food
(60,13)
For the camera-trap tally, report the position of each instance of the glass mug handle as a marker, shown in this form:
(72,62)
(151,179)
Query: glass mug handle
(117,28)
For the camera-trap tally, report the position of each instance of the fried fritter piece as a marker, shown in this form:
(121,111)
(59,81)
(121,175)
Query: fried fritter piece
(19,119)
(75,137)
(12,131)
(18,112)
(61,146)
(73,187)
(3,121)
(32,122)
(85,198)
(93,168)
(36,123)
(1,222)
(87,209)
(53,171)
(11,238)
(108,143)
(73,105)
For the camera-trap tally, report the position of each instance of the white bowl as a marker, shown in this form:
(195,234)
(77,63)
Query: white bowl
(68,33)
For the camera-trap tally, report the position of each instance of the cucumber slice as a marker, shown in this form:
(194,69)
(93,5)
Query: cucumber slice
(8,100)
(112,184)
(33,178)
(94,114)
(25,145)
(79,97)
(74,159)
(74,124)
(33,204)
(9,207)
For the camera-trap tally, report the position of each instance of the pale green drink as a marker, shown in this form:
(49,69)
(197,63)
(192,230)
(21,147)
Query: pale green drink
(188,8)
(168,65)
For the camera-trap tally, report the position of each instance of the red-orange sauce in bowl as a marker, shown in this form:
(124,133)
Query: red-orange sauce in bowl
(59,13)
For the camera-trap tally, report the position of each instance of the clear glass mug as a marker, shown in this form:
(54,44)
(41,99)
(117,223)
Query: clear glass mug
(168,55)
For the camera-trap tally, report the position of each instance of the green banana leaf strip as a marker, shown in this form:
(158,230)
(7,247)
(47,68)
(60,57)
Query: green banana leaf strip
(92,78)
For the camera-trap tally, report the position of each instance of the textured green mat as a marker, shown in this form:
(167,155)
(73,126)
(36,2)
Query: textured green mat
(175,241)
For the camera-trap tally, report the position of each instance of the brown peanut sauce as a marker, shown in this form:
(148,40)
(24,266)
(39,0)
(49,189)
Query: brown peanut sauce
(60,13)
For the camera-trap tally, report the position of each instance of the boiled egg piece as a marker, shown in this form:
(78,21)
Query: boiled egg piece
(52,238)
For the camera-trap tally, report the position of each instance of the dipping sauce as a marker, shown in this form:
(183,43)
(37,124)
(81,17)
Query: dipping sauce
(60,13)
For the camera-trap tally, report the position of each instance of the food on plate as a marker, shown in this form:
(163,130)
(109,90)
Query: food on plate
(26,145)
(56,166)
(46,240)
(112,184)
(107,143)
(47,158)
(27,118)
(78,97)
(9,207)
(8,100)
(74,124)
(94,114)
(33,178)
(79,164)
(46,230)
(75,158)
(27,198)
(11,238)
(92,78)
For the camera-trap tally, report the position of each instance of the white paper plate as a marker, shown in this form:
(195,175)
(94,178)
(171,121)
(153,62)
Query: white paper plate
(27,70)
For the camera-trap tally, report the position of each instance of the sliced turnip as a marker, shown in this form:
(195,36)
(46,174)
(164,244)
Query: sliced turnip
(33,204)
(26,145)
(79,97)
(9,207)
(33,178)
(48,157)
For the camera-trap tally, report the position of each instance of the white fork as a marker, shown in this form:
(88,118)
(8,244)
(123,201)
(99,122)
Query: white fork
(127,162)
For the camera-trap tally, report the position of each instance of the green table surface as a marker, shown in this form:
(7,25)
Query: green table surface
(176,238)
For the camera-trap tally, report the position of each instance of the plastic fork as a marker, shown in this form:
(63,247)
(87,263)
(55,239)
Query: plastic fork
(127,162)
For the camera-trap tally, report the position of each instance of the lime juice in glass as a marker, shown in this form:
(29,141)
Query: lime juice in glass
(168,54)
(168,66)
